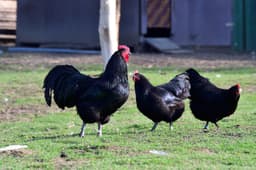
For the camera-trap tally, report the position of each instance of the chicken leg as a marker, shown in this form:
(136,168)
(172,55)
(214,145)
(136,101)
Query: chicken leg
(216,125)
(99,133)
(154,126)
(81,134)
(206,126)
(171,126)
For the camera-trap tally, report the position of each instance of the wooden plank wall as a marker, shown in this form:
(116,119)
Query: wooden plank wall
(8,20)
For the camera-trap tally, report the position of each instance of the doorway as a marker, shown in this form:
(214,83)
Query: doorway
(158,13)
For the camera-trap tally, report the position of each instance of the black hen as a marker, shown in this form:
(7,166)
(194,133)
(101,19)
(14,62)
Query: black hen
(160,103)
(208,102)
(95,98)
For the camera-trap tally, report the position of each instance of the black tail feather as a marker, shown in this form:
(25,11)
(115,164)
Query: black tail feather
(57,81)
(179,86)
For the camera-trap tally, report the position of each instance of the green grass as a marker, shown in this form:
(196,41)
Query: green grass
(126,141)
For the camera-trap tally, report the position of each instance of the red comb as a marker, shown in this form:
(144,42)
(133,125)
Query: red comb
(136,71)
(123,47)
(238,85)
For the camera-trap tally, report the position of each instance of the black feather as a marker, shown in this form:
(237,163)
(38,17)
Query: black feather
(95,98)
(58,82)
(156,102)
(209,102)
(179,86)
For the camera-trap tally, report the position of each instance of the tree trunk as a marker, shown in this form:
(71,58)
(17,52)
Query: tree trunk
(109,27)
(118,15)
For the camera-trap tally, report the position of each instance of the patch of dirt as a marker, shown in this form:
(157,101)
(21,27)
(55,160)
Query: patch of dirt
(20,61)
(232,135)
(23,112)
(63,163)
(205,150)
(119,150)
(17,153)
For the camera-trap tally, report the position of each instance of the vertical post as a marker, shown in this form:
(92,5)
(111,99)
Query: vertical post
(118,16)
(109,27)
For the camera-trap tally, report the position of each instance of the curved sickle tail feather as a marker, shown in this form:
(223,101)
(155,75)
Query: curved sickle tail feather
(179,86)
(60,81)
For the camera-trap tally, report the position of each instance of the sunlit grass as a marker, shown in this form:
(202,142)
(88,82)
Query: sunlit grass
(51,133)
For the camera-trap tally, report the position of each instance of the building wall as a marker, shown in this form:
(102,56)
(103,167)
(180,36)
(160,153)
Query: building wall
(75,23)
(202,22)
(67,23)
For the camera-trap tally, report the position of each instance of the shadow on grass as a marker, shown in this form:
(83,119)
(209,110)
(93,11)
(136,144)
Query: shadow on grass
(139,127)
(36,138)
(134,129)
(65,136)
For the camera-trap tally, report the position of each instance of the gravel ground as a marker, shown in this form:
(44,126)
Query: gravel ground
(199,59)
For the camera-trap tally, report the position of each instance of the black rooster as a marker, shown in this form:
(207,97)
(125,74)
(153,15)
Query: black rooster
(95,98)
(163,102)
(208,102)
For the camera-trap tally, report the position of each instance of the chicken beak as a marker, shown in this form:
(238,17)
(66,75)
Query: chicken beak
(240,90)
(135,77)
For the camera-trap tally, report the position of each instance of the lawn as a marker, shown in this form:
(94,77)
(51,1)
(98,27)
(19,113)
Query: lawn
(51,134)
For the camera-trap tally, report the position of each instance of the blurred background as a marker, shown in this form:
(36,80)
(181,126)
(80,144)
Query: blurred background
(163,25)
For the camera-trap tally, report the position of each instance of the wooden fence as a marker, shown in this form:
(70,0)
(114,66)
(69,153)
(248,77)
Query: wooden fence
(8,15)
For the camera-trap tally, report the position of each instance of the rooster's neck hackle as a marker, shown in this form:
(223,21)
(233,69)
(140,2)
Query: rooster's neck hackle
(116,68)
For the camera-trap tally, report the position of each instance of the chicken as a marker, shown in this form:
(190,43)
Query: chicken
(163,102)
(210,103)
(95,98)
